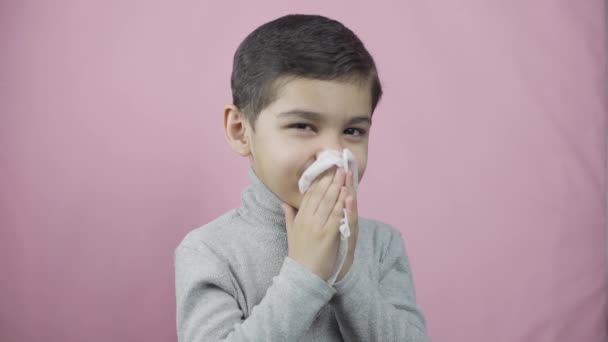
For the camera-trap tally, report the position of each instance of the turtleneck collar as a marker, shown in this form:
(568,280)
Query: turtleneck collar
(260,204)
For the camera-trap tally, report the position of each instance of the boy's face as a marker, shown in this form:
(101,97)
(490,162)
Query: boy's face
(288,137)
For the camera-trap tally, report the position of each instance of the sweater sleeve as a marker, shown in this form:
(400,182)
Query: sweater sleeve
(208,310)
(384,310)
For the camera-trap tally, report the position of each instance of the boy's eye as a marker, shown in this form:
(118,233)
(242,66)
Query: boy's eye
(351,131)
(301,126)
(361,131)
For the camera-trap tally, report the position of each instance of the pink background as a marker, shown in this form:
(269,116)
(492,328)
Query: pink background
(488,153)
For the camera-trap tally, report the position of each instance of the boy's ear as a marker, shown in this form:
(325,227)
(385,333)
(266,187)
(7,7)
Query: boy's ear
(236,128)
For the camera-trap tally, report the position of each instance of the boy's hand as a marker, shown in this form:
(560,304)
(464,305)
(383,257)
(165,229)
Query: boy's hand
(353,223)
(313,234)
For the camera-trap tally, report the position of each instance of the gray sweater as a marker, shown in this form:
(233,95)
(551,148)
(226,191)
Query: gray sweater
(235,282)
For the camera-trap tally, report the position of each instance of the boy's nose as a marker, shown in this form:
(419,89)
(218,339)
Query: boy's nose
(335,148)
(330,144)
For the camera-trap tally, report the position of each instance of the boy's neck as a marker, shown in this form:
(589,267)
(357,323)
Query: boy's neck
(260,204)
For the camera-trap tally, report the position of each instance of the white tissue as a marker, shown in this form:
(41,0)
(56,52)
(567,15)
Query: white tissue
(325,160)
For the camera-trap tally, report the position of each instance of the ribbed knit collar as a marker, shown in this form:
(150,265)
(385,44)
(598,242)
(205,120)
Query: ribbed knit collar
(261,205)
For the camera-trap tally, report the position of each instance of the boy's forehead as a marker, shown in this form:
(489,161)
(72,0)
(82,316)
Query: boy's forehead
(321,99)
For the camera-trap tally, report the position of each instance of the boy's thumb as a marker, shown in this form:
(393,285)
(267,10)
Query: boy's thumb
(289,215)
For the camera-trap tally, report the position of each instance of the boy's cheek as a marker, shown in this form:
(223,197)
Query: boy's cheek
(360,174)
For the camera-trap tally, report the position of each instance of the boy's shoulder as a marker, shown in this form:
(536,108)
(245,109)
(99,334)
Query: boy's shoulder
(379,227)
(208,234)
(379,232)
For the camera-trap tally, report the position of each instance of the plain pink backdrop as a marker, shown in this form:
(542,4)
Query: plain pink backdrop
(487,153)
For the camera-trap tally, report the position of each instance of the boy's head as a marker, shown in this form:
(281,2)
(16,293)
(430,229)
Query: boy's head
(300,84)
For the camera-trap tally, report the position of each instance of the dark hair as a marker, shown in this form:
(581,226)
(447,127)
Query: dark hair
(297,45)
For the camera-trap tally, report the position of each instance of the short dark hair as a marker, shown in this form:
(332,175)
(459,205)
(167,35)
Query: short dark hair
(298,45)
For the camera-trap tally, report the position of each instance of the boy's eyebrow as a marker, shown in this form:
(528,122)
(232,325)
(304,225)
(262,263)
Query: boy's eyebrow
(314,116)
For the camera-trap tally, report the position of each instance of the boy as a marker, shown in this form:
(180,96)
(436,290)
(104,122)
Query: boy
(301,84)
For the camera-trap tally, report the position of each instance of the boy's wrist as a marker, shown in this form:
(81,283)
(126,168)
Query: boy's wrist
(307,280)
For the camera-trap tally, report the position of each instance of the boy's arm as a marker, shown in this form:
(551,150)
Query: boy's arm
(384,310)
(207,309)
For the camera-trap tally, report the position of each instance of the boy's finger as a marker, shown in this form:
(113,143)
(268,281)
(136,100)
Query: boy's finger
(349,179)
(289,215)
(351,207)
(351,199)
(337,213)
(331,196)
(319,188)
(309,192)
